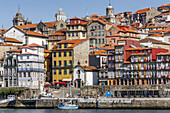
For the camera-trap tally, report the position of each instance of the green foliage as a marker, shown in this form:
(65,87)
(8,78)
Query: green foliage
(8,91)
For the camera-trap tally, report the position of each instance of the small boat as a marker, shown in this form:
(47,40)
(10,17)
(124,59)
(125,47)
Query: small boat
(68,106)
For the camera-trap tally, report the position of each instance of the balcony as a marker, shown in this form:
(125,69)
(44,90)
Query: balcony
(30,69)
(63,66)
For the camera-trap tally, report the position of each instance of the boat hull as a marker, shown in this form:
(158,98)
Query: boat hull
(67,107)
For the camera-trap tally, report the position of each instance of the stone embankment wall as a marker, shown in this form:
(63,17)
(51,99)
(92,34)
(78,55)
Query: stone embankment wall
(101,103)
(94,91)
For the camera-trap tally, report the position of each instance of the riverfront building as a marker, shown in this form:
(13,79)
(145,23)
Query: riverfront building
(65,55)
(31,67)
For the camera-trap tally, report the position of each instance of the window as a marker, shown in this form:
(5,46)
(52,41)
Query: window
(59,72)
(21,58)
(65,54)
(72,27)
(102,33)
(76,34)
(91,27)
(99,41)
(59,63)
(72,34)
(69,34)
(59,54)
(59,46)
(113,40)
(25,50)
(103,40)
(52,43)
(99,27)
(65,45)
(110,33)
(169,40)
(68,27)
(54,72)
(65,62)
(95,27)
(84,34)
(65,71)
(27,57)
(130,51)
(70,71)
(54,54)
(70,53)
(24,74)
(70,62)
(91,33)
(54,63)
(95,33)
(99,33)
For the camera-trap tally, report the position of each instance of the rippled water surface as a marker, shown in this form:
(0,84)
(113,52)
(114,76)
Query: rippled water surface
(80,111)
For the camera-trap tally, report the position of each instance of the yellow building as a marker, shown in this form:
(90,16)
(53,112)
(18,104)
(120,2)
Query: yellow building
(65,55)
(47,65)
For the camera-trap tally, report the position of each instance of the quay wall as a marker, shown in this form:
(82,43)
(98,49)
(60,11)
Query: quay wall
(93,103)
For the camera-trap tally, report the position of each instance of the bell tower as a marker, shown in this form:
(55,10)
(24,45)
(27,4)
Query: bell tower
(110,13)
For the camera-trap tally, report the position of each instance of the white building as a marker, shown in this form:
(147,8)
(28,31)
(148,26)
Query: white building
(85,76)
(31,67)
(26,37)
(60,15)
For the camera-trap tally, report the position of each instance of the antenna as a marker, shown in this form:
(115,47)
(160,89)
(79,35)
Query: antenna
(18,7)
(109,2)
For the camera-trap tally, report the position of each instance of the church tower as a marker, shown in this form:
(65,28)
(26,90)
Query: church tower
(60,15)
(109,14)
(18,20)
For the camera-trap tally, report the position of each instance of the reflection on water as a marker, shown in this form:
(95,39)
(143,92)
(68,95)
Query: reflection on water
(80,111)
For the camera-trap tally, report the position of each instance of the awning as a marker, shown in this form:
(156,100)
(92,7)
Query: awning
(47,85)
(66,79)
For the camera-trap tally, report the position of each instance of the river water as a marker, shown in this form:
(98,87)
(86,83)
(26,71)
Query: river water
(80,111)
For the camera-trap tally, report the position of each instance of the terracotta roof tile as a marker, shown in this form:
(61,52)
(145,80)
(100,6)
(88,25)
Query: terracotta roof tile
(7,39)
(107,47)
(168,5)
(157,35)
(73,42)
(15,50)
(88,67)
(57,34)
(47,51)
(27,26)
(140,54)
(34,33)
(141,11)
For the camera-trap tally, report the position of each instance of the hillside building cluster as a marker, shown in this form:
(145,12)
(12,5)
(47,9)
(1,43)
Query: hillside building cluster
(113,49)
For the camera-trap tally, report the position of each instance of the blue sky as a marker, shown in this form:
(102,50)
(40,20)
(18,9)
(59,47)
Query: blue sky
(45,10)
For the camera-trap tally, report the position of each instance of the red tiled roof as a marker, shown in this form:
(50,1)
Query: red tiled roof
(99,52)
(73,42)
(15,50)
(107,47)
(4,30)
(75,18)
(156,31)
(57,34)
(141,11)
(168,5)
(27,53)
(47,51)
(35,33)
(157,35)
(27,26)
(7,39)
(88,67)
(50,24)
(64,29)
